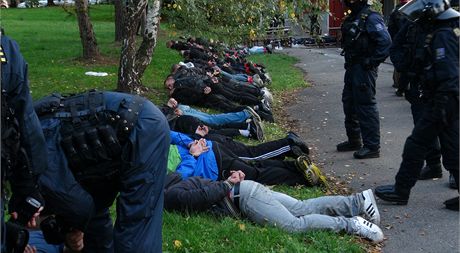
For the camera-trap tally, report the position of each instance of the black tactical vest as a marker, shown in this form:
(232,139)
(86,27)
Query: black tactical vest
(92,137)
(355,38)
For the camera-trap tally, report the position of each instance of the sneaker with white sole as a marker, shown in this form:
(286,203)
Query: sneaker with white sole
(258,81)
(256,130)
(367,229)
(310,171)
(253,113)
(370,208)
(267,95)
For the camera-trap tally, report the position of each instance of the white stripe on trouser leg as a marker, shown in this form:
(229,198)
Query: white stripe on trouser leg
(270,154)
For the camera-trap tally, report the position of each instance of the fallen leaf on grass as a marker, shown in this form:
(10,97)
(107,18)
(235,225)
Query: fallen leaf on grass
(177,244)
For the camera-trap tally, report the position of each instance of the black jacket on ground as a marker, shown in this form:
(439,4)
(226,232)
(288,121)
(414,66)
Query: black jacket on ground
(197,194)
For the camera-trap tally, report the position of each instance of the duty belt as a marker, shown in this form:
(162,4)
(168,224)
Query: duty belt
(236,195)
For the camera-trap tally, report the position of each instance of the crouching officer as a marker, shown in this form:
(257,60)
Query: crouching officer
(23,149)
(439,80)
(365,43)
(102,146)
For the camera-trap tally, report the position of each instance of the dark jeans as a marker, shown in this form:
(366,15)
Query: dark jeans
(266,172)
(429,127)
(360,106)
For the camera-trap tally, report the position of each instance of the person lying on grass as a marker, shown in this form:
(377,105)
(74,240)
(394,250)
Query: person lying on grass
(214,160)
(251,200)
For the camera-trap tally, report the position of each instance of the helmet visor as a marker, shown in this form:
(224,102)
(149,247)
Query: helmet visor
(413,10)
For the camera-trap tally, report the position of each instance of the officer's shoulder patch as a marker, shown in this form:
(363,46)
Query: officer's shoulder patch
(2,55)
(457,31)
(440,53)
(379,27)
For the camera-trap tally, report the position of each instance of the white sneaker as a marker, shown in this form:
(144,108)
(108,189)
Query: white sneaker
(370,207)
(367,229)
(267,95)
(258,81)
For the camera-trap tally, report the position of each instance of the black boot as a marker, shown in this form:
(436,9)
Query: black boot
(430,171)
(452,183)
(452,204)
(392,194)
(350,145)
(365,152)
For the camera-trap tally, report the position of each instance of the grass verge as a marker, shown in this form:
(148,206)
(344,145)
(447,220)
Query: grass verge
(50,42)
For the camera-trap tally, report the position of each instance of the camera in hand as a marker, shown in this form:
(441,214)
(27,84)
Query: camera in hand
(27,210)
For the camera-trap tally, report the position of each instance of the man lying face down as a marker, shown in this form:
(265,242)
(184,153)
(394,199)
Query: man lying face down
(248,199)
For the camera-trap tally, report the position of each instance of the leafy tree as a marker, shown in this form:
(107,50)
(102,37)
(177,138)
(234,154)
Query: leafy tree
(235,21)
(134,60)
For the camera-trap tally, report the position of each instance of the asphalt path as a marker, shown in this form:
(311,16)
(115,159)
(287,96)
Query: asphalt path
(423,225)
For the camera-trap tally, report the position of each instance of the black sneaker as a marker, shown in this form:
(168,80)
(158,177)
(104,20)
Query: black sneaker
(430,171)
(267,116)
(296,151)
(399,93)
(256,130)
(253,113)
(452,204)
(294,139)
(350,145)
(392,194)
(364,153)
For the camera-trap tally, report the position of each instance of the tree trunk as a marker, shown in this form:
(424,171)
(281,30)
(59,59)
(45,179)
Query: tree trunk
(50,3)
(87,36)
(133,63)
(119,14)
(14,3)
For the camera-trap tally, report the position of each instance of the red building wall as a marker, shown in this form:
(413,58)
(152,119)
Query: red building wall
(335,19)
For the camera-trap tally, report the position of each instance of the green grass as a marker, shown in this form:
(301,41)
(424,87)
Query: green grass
(49,40)
(202,233)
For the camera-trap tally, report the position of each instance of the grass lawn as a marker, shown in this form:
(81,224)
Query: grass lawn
(50,42)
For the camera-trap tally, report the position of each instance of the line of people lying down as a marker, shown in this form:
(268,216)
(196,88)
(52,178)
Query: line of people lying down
(209,171)
(220,79)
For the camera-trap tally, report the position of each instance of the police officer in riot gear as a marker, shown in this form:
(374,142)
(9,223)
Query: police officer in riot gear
(104,146)
(405,58)
(365,43)
(23,148)
(439,87)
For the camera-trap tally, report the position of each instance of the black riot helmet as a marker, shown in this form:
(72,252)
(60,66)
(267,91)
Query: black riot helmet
(428,10)
(356,5)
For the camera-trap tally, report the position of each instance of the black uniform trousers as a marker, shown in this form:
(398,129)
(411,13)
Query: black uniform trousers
(360,105)
(431,126)
(418,106)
